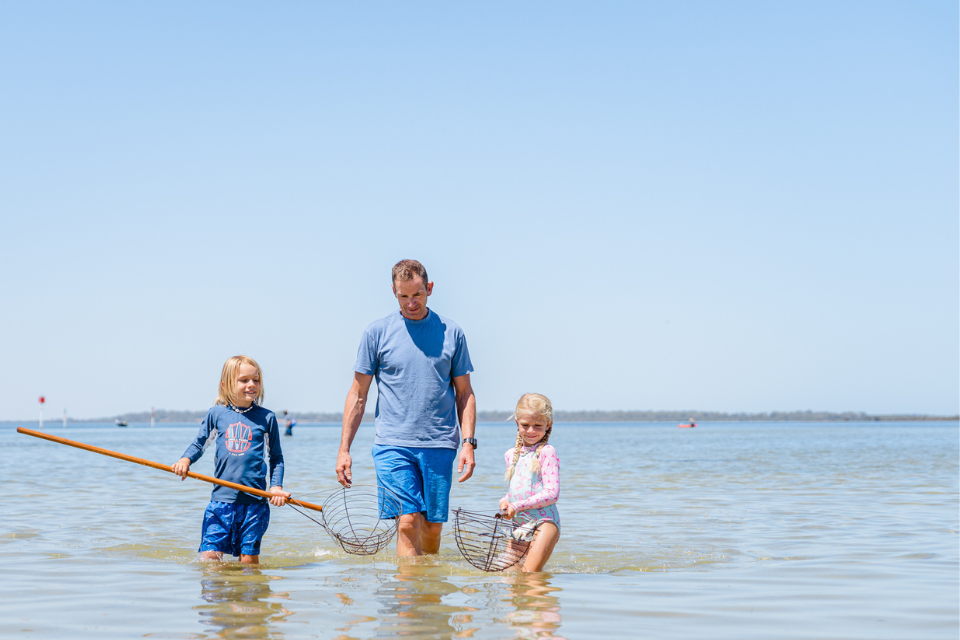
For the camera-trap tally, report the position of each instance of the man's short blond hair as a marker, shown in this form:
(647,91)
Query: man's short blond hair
(407,270)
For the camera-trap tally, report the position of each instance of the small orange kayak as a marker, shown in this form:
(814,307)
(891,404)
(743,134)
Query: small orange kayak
(687,426)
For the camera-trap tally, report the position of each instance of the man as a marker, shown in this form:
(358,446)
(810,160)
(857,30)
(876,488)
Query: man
(425,404)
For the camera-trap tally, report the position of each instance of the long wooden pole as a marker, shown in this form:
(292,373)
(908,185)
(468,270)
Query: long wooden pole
(162,467)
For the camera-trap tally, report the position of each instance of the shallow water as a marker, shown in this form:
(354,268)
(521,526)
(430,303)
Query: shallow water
(723,531)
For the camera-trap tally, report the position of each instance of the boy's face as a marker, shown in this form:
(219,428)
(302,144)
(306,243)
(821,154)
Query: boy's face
(247,385)
(412,296)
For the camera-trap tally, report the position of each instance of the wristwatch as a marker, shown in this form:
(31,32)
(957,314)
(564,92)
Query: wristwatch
(472,441)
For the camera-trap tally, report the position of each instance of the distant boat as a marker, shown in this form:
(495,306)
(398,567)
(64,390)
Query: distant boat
(121,423)
(690,425)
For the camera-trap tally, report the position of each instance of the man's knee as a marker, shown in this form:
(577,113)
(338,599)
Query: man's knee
(410,524)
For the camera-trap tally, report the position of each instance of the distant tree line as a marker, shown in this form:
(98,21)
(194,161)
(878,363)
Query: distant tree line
(164,415)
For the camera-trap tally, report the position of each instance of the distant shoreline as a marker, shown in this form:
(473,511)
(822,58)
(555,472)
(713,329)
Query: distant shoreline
(162,416)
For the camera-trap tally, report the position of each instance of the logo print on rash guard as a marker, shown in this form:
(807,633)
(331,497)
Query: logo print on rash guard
(238,437)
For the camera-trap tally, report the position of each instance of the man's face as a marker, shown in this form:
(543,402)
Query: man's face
(412,296)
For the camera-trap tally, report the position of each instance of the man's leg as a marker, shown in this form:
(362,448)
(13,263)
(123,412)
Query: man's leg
(436,465)
(397,471)
(430,536)
(409,529)
(416,536)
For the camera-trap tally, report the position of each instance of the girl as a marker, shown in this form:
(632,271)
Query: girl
(533,471)
(235,521)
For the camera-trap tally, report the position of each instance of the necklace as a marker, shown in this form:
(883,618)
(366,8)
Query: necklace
(252,405)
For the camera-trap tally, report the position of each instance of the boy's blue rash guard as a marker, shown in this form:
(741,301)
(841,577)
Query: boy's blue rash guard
(241,441)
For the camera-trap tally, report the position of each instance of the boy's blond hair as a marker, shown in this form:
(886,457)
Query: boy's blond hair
(228,379)
(537,404)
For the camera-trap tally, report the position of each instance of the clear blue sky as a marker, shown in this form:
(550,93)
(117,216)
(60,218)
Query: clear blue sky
(733,206)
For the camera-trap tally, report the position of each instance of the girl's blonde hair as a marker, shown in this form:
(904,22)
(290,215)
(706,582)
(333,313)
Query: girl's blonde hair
(537,404)
(228,379)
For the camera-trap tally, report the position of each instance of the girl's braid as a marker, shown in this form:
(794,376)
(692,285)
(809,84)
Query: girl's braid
(516,456)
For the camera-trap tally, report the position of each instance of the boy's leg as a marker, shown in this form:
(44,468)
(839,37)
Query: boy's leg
(218,519)
(256,519)
(542,546)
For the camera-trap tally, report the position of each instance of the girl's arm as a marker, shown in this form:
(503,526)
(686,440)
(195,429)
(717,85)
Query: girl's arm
(505,500)
(549,478)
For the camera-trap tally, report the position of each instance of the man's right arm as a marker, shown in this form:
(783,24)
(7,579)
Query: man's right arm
(352,415)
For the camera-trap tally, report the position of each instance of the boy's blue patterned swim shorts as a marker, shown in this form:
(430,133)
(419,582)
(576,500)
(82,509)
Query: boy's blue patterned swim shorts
(234,528)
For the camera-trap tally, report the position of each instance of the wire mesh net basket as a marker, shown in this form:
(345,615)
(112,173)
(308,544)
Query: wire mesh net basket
(362,519)
(491,543)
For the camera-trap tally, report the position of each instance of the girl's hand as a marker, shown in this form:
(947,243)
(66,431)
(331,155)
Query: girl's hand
(181,467)
(279,496)
(507,509)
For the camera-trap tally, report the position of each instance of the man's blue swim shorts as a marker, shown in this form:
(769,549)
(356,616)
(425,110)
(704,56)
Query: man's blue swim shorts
(420,477)
(234,528)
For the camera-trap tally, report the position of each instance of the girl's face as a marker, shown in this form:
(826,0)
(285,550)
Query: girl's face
(247,385)
(532,427)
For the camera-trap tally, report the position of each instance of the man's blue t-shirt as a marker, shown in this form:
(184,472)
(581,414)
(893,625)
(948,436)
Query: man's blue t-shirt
(242,439)
(415,362)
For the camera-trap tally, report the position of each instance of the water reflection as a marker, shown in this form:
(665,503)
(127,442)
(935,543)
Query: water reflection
(237,601)
(411,603)
(536,610)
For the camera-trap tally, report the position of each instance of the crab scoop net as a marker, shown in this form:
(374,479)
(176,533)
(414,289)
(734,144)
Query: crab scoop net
(491,543)
(361,519)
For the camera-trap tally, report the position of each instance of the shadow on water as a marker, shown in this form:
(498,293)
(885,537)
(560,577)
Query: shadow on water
(237,601)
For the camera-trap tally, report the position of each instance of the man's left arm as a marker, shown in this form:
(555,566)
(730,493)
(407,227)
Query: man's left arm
(467,412)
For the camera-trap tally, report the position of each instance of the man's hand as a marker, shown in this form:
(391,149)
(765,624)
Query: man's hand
(279,496)
(467,463)
(181,467)
(344,468)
